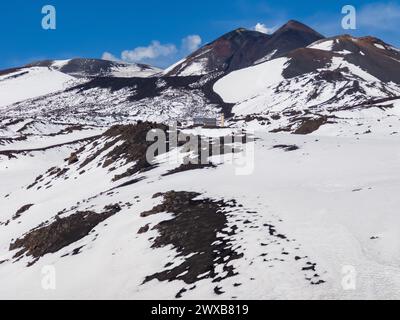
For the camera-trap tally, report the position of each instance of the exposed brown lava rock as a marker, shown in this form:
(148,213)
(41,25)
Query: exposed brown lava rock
(61,233)
(195,231)
(21,210)
(310,125)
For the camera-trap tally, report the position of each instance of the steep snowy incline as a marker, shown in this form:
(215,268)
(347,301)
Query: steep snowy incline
(317,82)
(27,83)
(246,83)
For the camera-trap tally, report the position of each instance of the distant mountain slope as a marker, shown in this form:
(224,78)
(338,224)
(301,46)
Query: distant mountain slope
(371,54)
(49,76)
(234,50)
(108,100)
(296,82)
(242,48)
(25,83)
(329,76)
(331,58)
(98,68)
(291,36)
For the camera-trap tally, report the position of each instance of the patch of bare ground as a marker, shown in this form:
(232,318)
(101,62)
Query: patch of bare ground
(129,144)
(132,149)
(21,210)
(189,166)
(69,129)
(286,147)
(198,232)
(308,125)
(60,233)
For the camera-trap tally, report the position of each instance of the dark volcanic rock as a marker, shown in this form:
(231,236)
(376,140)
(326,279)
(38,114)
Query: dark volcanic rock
(189,166)
(8,71)
(237,49)
(128,143)
(310,125)
(193,231)
(132,150)
(364,52)
(291,36)
(286,147)
(144,229)
(73,158)
(61,233)
(242,48)
(21,210)
(306,60)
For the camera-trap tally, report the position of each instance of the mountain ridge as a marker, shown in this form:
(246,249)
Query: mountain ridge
(88,67)
(242,48)
(349,70)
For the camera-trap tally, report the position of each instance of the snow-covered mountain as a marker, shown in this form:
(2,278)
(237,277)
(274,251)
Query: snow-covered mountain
(108,100)
(82,68)
(321,83)
(319,198)
(298,91)
(46,77)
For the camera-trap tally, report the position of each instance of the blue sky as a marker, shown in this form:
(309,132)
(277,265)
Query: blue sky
(160,32)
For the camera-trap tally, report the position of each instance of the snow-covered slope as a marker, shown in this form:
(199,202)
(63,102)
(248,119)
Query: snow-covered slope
(46,77)
(106,101)
(99,68)
(292,226)
(249,82)
(317,82)
(27,83)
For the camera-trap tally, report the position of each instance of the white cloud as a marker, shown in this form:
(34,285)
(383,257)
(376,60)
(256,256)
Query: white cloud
(156,53)
(153,51)
(109,56)
(261,27)
(191,43)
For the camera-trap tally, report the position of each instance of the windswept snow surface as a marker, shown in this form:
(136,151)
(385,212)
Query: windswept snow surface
(132,70)
(332,203)
(30,83)
(326,45)
(58,64)
(246,83)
